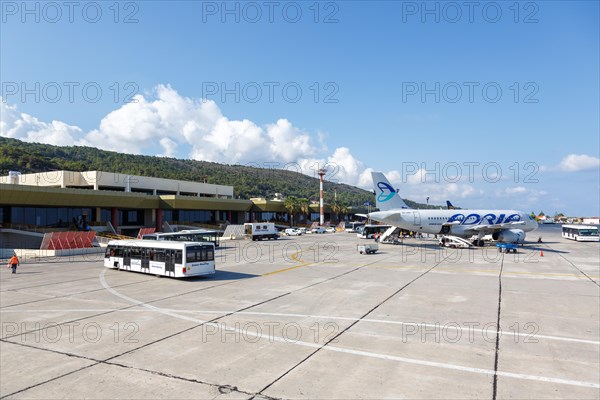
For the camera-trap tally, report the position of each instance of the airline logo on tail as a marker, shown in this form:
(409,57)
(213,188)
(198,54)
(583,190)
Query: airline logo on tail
(386,192)
(387,197)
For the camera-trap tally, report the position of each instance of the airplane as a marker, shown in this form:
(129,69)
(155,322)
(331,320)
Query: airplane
(506,226)
(449,205)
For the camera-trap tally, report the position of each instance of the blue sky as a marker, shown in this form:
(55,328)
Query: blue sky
(361,68)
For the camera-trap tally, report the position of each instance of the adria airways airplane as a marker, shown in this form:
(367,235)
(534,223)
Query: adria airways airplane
(507,226)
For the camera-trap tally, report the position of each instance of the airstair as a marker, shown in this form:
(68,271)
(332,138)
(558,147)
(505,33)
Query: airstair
(234,232)
(390,236)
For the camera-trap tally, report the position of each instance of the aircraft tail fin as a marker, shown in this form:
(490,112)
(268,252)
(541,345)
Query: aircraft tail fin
(387,197)
(450,206)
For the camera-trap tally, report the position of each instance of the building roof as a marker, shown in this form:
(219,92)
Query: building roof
(101,180)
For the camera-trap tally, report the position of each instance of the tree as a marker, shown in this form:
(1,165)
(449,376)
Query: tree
(304,207)
(291,205)
(344,209)
(336,208)
(247,181)
(339,209)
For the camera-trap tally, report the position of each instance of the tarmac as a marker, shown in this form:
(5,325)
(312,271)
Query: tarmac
(309,318)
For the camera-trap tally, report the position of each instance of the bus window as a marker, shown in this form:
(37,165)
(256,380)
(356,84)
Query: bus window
(136,253)
(178,257)
(191,254)
(159,255)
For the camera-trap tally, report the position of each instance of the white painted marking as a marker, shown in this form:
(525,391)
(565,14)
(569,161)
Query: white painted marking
(491,332)
(357,352)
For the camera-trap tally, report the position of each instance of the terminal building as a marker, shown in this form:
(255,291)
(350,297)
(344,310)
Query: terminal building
(58,199)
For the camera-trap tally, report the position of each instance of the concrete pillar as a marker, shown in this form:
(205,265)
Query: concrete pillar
(159,219)
(149,217)
(98,214)
(114,218)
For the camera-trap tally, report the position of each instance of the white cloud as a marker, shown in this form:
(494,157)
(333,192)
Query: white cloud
(166,123)
(515,190)
(139,126)
(420,185)
(169,147)
(364,179)
(288,143)
(231,142)
(579,162)
(28,128)
(346,168)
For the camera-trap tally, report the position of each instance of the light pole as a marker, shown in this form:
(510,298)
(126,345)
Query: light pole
(368,205)
(322,173)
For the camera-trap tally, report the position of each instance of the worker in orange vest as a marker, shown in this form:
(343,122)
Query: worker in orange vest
(13,263)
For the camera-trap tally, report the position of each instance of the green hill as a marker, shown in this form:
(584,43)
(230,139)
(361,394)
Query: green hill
(16,155)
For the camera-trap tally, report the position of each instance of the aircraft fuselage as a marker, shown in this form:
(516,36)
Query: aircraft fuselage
(458,222)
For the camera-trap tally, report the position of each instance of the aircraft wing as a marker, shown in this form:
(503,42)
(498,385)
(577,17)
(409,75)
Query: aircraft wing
(362,215)
(496,227)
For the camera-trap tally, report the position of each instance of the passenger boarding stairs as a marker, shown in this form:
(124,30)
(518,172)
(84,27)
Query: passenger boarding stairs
(390,236)
(234,232)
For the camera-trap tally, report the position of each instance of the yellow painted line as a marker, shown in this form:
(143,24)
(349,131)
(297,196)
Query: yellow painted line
(283,270)
(295,258)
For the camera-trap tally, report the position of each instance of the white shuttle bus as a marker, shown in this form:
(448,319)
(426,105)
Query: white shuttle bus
(581,233)
(160,257)
(368,231)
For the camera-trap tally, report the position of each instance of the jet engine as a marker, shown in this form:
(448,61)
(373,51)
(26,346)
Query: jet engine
(509,236)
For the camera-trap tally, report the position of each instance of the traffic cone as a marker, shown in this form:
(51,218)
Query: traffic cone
(541,253)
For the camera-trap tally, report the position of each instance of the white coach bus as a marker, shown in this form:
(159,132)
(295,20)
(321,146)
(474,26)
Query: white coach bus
(581,233)
(160,257)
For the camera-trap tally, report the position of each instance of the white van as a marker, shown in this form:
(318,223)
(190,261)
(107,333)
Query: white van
(293,232)
(261,230)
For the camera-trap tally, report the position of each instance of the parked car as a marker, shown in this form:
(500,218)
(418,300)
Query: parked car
(330,229)
(293,232)
(318,229)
